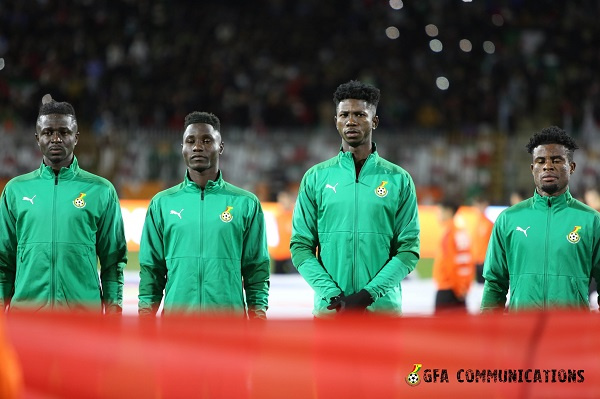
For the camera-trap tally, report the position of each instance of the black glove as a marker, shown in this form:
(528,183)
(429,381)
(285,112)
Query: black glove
(337,303)
(358,301)
(355,302)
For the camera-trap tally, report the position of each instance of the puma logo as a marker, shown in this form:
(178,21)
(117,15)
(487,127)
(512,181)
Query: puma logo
(29,199)
(332,187)
(176,213)
(519,228)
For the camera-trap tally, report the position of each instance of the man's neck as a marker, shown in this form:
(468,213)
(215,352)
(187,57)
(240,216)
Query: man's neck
(360,153)
(202,178)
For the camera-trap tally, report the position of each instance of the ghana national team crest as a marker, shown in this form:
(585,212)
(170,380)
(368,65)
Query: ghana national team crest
(226,216)
(381,191)
(79,202)
(573,236)
(413,379)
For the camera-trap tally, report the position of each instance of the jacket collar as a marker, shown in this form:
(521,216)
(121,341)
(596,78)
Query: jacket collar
(210,185)
(558,202)
(65,173)
(346,156)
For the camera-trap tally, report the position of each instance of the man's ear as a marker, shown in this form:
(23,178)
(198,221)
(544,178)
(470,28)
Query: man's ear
(221,148)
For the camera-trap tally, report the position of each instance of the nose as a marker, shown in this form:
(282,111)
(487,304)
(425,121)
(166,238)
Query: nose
(55,138)
(198,146)
(548,164)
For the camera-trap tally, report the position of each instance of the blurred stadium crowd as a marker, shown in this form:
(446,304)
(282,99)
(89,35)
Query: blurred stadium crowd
(464,84)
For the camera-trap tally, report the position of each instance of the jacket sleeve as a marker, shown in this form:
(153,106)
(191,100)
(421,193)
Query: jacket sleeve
(596,252)
(8,251)
(495,270)
(153,266)
(256,264)
(305,240)
(111,248)
(405,248)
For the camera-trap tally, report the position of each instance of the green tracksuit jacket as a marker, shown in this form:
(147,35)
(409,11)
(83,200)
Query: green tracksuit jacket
(204,248)
(545,250)
(350,233)
(53,230)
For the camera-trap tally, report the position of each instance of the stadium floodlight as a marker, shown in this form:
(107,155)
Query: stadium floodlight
(392,32)
(396,4)
(442,83)
(436,46)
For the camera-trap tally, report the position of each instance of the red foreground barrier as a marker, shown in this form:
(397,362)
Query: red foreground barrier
(526,355)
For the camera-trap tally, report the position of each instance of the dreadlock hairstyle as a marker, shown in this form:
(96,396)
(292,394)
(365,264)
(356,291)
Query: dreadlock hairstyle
(553,135)
(202,117)
(358,91)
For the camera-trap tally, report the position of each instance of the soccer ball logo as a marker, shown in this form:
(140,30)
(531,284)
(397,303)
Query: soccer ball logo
(573,236)
(381,191)
(79,202)
(226,216)
(413,378)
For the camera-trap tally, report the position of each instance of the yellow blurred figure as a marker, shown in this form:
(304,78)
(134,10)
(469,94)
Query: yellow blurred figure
(10,370)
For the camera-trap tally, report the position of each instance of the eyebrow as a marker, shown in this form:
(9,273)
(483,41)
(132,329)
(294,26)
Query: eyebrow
(552,157)
(346,111)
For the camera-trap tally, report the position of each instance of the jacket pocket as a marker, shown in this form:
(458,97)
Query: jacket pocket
(33,273)
(222,285)
(581,290)
(77,277)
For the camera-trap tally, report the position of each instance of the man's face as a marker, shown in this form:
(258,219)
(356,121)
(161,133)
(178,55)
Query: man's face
(355,120)
(201,147)
(551,169)
(57,137)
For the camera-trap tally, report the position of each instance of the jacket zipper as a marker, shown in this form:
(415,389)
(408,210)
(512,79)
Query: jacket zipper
(354,265)
(548,221)
(354,278)
(53,264)
(201,235)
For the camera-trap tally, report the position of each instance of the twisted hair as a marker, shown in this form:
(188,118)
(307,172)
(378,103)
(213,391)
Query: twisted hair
(553,135)
(357,90)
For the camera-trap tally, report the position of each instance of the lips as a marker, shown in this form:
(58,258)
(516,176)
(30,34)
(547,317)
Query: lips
(548,178)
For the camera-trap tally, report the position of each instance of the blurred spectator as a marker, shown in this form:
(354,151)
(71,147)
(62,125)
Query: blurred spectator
(516,196)
(11,380)
(481,236)
(591,197)
(282,257)
(453,267)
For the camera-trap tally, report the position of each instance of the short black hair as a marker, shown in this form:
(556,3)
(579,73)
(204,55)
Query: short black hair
(202,117)
(356,90)
(553,135)
(451,204)
(55,107)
